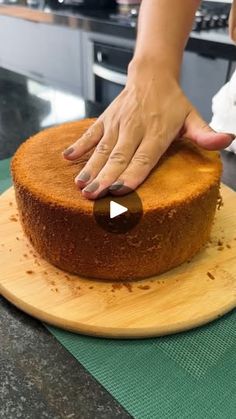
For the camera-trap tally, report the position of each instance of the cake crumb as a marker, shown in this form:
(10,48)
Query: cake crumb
(17,238)
(10,203)
(116,286)
(128,286)
(228,245)
(53,283)
(56,289)
(45,273)
(220,243)
(29,272)
(219,202)
(91,288)
(144,287)
(221,248)
(78,287)
(10,250)
(25,255)
(209,274)
(67,277)
(13,218)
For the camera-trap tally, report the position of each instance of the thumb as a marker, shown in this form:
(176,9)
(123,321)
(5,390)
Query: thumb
(197,130)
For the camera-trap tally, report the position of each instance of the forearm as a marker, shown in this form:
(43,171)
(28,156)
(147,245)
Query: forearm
(232,21)
(163,30)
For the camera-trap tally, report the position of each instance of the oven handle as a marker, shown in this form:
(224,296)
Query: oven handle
(109,75)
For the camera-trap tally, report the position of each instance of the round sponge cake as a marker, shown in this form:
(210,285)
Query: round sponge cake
(179,200)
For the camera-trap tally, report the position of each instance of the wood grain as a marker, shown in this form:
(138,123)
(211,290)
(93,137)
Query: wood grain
(186,297)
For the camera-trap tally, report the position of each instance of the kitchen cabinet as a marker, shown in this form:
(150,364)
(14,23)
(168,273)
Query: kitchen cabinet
(201,77)
(43,51)
(63,56)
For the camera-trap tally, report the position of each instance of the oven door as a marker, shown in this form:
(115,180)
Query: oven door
(109,71)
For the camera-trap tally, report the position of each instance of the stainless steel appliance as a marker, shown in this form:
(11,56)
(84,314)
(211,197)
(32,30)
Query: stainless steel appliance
(109,70)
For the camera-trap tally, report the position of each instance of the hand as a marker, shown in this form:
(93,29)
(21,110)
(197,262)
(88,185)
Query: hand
(232,21)
(135,130)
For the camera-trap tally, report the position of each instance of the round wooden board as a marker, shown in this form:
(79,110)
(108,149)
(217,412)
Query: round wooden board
(189,296)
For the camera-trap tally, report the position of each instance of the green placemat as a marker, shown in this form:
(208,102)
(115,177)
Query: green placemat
(188,375)
(5,180)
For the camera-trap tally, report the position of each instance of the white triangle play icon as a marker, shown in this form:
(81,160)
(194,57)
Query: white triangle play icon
(116,209)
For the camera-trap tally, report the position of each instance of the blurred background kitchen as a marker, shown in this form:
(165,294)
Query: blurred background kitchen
(64,59)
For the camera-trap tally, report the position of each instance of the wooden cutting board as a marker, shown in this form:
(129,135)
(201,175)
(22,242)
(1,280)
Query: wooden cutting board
(189,296)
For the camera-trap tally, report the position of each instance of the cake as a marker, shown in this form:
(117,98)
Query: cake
(179,201)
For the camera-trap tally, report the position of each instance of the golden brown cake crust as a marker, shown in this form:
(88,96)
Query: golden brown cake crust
(179,200)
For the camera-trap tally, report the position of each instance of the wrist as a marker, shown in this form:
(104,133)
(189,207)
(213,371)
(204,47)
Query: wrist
(151,65)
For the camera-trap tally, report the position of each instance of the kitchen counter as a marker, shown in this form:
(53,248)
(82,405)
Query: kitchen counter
(27,106)
(39,378)
(215,41)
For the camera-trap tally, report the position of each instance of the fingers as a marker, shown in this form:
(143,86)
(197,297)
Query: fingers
(86,142)
(144,160)
(98,158)
(197,130)
(117,162)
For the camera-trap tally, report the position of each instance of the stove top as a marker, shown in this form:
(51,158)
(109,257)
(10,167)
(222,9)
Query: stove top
(211,15)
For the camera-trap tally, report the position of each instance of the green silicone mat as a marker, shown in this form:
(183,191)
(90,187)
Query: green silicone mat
(188,375)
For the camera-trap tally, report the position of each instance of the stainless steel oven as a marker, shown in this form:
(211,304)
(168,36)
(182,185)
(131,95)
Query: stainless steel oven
(110,65)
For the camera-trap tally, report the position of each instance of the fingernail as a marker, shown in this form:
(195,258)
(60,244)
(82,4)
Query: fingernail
(68,151)
(92,187)
(116,186)
(83,177)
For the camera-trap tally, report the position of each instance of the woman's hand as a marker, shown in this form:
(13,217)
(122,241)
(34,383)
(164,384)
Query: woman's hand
(135,130)
(232,21)
(139,125)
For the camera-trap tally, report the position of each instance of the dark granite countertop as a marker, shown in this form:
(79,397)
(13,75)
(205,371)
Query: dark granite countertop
(39,378)
(214,42)
(27,106)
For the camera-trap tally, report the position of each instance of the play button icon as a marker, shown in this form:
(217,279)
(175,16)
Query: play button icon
(118,214)
(116,209)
